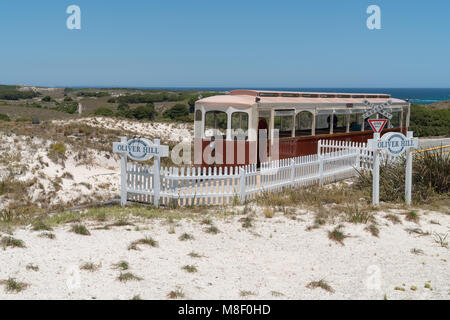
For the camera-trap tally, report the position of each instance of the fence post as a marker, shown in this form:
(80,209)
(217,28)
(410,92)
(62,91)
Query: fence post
(156,177)
(408,176)
(376,174)
(241,185)
(123,175)
(320,170)
(293,171)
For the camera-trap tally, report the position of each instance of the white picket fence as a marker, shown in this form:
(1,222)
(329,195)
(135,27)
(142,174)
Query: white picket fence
(195,186)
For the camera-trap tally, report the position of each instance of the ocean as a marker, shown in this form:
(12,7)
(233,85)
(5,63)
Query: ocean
(415,95)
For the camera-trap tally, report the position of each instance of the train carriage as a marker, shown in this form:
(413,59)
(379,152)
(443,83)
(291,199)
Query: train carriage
(250,126)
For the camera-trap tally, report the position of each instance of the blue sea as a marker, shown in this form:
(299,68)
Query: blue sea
(415,95)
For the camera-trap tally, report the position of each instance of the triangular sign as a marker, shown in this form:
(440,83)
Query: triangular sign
(377,124)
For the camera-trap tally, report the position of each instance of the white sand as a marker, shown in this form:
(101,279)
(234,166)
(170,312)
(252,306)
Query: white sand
(275,255)
(82,180)
(167,132)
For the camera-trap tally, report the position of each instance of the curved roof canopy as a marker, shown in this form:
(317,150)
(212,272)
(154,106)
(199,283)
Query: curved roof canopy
(248,98)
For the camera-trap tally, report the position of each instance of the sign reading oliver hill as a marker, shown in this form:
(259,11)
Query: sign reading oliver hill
(395,143)
(140,149)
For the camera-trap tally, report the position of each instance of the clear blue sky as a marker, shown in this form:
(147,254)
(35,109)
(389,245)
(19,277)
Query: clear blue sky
(229,43)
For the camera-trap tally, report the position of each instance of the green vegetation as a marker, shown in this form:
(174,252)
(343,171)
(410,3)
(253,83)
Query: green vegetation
(47,99)
(178,112)
(186,236)
(149,98)
(174,294)
(104,111)
(12,93)
(12,242)
(68,107)
(128,276)
(122,265)
(430,179)
(93,94)
(57,151)
(13,286)
(429,122)
(189,268)
(320,284)
(4,117)
(80,229)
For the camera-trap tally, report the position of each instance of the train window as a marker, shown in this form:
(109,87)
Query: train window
(239,124)
(395,121)
(198,115)
(322,126)
(355,122)
(216,123)
(290,95)
(405,116)
(269,94)
(340,125)
(303,123)
(283,122)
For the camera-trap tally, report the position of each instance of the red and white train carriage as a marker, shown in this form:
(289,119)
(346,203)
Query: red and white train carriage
(228,127)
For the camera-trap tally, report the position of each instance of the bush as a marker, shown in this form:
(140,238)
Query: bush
(123,106)
(57,151)
(429,122)
(104,111)
(47,99)
(68,99)
(4,117)
(431,172)
(69,107)
(177,112)
(11,93)
(93,94)
(145,112)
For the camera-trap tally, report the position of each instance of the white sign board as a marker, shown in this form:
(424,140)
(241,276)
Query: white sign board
(395,143)
(140,149)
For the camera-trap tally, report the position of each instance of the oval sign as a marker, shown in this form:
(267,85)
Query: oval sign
(395,143)
(139,149)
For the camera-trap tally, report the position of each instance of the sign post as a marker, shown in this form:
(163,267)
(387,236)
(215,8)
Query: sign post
(395,144)
(140,149)
(376,174)
(123,175)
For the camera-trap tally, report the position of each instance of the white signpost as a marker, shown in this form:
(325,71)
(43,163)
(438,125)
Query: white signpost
(140,149)
(395,144)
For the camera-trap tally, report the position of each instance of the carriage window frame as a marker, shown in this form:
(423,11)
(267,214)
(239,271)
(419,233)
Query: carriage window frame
(222,130)
(246,121)
(298,129)
(198,115)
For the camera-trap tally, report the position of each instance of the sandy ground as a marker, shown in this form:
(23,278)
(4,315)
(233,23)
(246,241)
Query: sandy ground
(84,176)
(275,259)
(168,132)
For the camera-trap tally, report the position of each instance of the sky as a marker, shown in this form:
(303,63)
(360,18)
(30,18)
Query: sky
(246,43)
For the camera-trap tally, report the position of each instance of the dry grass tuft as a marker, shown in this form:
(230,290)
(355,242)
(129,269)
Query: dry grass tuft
(337,235)
(320,284)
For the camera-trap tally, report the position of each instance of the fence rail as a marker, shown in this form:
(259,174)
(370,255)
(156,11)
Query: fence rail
(195,186)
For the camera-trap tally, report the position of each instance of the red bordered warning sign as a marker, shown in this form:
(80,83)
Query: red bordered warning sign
(377,124)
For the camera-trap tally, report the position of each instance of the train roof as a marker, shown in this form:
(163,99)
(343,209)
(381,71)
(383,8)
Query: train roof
(248,98)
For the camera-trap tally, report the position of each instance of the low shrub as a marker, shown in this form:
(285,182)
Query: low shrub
(4,117)
(103,111)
